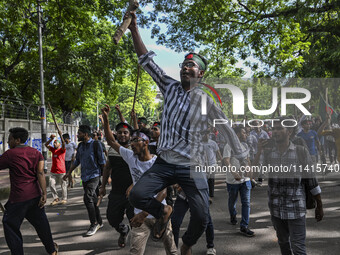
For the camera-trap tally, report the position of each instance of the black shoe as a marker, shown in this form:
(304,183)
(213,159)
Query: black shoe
(123,236)
(233,220)
(247,232)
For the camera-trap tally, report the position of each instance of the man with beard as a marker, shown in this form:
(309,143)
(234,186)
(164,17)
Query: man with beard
(180,144)
(118,169)
(92,160)
(139,161)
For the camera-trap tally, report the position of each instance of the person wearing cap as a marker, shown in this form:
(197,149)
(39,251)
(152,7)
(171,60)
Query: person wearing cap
(118,169)
(142,122)
(58,168)
(139,161)
(180,145)
(91,164)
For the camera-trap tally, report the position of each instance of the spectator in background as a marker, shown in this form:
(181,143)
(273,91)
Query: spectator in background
(312,140)
(58,168)
(71,148)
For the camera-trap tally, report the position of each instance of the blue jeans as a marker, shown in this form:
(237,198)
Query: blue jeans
(163,174)
(13,218)
(180,209)
(291,235)
(244,189)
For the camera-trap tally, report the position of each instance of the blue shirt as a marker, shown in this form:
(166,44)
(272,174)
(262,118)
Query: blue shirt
(85,156)
(310,137)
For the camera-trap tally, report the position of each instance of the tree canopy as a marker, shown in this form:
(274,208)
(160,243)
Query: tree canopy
(81,62)
(298,38)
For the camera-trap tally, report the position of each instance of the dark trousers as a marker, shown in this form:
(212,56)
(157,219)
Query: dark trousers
(180,209)
(291,235)
(163,174)
(119,205)
(91,199)
(13,218)
(211,183)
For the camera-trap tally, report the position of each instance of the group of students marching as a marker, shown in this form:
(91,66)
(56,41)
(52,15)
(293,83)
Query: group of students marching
(144,164)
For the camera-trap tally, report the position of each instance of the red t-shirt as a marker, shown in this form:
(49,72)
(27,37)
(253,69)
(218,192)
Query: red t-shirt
(58,160)
(22,162)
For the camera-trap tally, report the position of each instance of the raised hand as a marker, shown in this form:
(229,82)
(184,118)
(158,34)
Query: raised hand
(105,111)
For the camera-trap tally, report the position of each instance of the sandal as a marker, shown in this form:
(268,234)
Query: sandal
(122,238)
(56,248)
(160,228)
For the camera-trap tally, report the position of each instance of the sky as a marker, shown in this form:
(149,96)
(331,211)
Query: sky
(169,60)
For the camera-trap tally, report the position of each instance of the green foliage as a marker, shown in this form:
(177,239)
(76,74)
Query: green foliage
(81,62)
(294,38)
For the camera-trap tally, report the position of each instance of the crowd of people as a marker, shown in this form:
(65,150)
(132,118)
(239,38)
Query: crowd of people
(151,170)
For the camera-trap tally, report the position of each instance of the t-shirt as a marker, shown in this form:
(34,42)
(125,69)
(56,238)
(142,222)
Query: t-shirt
(70,149)
(120,173)
(211,149)
(336,134)
(310,137)
(228,153)
(137,168)
(58,160)
(22,162)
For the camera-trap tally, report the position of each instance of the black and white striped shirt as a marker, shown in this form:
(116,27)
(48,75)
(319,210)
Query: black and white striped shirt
(182,120)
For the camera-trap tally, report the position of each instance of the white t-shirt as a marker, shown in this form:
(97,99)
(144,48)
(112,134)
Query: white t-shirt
(137,168)
(70,149)
(211,149)
(228,153)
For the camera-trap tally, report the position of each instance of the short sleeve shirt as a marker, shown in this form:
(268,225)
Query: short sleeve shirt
(58,160)
(22,162)
(137,168)
(70,149)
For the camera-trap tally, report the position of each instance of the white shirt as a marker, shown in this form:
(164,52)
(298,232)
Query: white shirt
(137,168)
(228,153)
(70,149)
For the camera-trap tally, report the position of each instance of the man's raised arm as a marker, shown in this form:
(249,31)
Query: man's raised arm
(137,40)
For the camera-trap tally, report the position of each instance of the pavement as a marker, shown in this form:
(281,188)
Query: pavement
(69,223)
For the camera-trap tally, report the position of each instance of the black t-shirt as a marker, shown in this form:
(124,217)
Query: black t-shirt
(120,174)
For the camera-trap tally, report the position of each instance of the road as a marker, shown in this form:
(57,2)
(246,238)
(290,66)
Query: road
(69,222)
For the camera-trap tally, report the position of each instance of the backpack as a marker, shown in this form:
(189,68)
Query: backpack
(95,153)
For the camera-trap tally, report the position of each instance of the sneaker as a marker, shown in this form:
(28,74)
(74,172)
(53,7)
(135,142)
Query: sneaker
(64,201)
(211,251)
(210,200)
(247,232)
(55,201)
(92,230)
(233,220)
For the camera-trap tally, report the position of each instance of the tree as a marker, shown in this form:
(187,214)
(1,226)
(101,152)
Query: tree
(290,37)
(81,62)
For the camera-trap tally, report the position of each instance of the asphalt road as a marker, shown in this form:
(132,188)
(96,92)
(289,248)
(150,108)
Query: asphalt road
(69,222)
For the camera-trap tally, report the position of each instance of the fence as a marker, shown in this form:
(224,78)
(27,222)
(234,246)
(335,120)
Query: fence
(34,130)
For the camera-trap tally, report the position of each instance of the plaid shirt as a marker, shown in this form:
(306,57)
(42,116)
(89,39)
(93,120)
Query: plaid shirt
(182,121)
(287,199)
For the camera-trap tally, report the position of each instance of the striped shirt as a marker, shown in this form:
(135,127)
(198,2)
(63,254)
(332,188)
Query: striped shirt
(182,120)
(287,198)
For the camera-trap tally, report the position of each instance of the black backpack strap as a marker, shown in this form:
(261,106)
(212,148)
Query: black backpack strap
(95,152)
(302,159)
